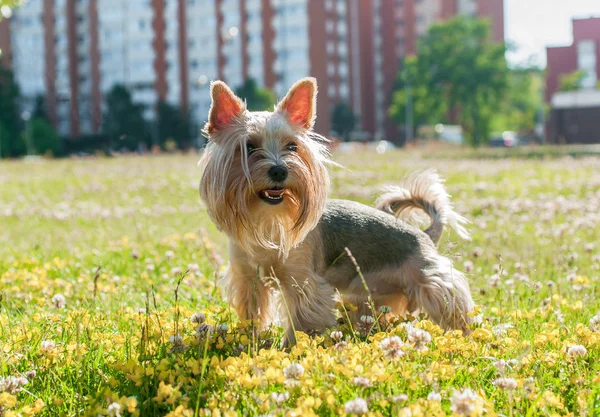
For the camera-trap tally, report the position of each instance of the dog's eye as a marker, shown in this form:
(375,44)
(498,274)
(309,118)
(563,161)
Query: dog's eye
(291,147)
(250,148)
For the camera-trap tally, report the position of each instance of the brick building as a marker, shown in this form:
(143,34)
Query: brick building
(574,115)
(74,51)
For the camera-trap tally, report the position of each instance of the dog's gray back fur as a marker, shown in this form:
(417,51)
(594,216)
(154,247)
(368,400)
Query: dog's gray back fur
(376,239)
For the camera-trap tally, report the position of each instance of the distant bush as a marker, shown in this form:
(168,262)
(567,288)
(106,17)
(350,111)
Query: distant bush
(11,145)
(44,138)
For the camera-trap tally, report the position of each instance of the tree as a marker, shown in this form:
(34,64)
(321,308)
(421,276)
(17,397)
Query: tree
(460,71)
(343,120)
(39,108)
(257,98)
(44,137)
(11,141)
(416,86)
(173,124)
(123,120)
(572,81)
(523,103)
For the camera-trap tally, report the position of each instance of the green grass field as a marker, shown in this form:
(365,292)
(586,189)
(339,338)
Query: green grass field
(104,263)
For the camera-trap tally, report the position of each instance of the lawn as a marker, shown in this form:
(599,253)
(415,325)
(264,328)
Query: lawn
(109,303)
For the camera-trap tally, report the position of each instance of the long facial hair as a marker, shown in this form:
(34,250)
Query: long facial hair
(232,178)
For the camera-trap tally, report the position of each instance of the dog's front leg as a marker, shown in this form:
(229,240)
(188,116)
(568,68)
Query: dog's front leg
(247,292)
(308,306)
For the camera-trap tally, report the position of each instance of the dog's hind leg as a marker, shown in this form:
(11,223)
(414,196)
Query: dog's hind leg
(307,306)
(443,293)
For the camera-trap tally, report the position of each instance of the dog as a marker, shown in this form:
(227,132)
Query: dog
(265,184)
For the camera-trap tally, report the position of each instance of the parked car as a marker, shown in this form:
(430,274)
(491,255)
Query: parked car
(504,140)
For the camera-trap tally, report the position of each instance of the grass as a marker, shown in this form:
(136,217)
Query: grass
(104,262)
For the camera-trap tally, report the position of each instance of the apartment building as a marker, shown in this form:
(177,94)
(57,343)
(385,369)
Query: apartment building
(74,51)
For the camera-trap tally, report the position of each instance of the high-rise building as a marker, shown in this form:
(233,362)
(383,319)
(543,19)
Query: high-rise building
(74,51)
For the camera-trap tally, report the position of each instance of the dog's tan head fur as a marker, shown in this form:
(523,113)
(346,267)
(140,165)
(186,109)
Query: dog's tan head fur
(264,178)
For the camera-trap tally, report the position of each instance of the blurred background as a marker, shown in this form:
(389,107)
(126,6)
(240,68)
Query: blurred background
(80,77)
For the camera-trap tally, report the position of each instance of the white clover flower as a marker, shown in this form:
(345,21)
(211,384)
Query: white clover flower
(357,406)
(595,323)
(337,336)
(280,397)
(198,318)
(361,381)
(500,366)
(12,384)
(501,329)
(419,338)
(59,301)
(367,320)
(169,254)
(577,351)
(468,267)
(47,345)
(341,345)
(505,383)
(114,410)
(176,271)
(385,309)
(399,399)
(434,396)
(203,330)
(392,347)
(176,339)
(293,371)
(466,403)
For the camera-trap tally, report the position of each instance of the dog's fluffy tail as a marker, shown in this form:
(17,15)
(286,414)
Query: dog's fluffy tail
(424,191)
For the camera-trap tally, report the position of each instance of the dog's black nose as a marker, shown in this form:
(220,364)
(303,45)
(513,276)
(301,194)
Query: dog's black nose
(278,173)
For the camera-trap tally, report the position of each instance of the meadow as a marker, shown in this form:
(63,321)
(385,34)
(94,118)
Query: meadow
(109,303)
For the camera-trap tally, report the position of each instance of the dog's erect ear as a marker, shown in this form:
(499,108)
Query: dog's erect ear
(300,103)
(224,108)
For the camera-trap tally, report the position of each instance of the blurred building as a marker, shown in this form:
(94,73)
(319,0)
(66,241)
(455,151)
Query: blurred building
(74,51)
(574,114)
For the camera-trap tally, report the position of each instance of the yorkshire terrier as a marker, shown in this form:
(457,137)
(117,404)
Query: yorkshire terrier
(265,184)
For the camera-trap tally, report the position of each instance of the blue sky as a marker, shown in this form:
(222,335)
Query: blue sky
(533,24)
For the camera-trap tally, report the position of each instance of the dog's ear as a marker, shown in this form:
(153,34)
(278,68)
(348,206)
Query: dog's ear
(300,103)
(224,108)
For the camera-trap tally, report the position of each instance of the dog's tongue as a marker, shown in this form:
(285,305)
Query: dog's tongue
(273,193)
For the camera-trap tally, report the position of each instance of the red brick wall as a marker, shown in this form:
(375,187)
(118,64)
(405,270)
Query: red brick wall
(160,49)
(5,46)
(318,63)
(493,10)
(95,66)
(50,59)
(561,60)
(367,85)
(183,55)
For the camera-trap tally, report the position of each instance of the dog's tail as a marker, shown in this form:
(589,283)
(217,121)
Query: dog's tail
(424,191)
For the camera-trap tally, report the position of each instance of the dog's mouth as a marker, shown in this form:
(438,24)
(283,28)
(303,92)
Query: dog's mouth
(272,196)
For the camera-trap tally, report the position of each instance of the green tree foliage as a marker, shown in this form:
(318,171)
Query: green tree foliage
(39,108)
(412,83)
(523,103)
(572,81)
(11,140)
(460,71)
(123,120)
(343,120)
(257,98)
(174,125)
(10,3)
(44,138)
